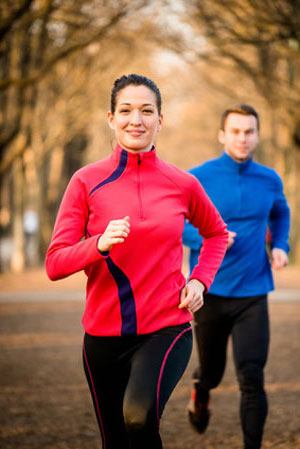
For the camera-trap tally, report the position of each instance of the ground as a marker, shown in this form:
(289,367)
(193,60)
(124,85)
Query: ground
(44,399)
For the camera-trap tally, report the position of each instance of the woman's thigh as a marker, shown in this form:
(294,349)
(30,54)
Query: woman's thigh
(107,374)
(156,368)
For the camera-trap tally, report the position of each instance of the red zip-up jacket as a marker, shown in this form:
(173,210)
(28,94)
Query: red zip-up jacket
(135,288)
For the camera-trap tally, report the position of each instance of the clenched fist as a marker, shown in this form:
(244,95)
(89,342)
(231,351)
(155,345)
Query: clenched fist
(115,233)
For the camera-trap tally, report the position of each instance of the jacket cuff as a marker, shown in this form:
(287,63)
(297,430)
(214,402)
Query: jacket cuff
(104,254)
(205,287)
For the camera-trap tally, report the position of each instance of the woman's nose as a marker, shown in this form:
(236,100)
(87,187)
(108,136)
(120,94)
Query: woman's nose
(136,118)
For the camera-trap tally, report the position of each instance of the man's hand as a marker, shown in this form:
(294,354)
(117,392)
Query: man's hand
(191,296)
(279,258)
(116,232)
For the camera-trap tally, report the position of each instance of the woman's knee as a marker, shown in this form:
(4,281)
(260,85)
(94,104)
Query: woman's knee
(138,418)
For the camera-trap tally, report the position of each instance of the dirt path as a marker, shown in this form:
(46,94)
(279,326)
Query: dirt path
(44,399)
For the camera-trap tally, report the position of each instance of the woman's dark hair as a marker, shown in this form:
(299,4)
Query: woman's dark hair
(240,108)
(136,80)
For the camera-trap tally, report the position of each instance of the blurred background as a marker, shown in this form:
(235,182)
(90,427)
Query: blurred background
(58,62)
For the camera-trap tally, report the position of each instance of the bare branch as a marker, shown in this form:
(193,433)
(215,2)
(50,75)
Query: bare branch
(9,23)
(38,75)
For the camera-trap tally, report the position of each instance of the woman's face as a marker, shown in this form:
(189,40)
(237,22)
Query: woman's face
(136,119)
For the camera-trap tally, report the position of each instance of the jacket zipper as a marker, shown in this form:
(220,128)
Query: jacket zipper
(141,213)
(240,178)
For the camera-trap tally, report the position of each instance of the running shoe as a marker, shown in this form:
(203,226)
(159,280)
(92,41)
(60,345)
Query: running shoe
(198,413)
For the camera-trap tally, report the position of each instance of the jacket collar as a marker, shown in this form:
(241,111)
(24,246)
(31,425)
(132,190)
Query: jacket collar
(133,158)
(232,165)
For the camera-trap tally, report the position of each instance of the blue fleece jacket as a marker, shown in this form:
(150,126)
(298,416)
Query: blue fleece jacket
(249,197)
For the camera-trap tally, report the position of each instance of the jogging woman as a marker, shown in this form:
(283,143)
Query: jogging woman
(121,221)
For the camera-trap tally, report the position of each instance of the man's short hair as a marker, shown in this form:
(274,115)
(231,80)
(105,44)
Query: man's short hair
(240,108)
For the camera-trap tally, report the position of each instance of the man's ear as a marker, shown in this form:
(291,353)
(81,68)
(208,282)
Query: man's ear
(221,136)
(110,119)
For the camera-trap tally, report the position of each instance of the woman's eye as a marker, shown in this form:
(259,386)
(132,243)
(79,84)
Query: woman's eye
(124,109)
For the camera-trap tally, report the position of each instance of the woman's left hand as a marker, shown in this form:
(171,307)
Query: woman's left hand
(191,296)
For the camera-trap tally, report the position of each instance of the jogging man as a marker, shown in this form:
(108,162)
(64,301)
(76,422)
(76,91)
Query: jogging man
(250,198)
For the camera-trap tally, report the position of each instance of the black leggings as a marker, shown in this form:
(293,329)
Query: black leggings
(246,319)
(131,379)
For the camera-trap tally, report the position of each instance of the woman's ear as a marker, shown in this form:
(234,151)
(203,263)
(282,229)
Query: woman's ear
(110,119)
(160,122)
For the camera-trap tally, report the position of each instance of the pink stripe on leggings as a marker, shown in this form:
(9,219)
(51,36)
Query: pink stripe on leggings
(163,367)
(96,399)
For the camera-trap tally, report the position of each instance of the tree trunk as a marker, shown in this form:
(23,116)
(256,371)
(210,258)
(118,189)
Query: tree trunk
(18,255)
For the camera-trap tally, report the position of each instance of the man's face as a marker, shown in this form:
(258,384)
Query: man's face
(240,136)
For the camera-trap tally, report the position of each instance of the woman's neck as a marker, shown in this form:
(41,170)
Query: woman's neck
(142,150)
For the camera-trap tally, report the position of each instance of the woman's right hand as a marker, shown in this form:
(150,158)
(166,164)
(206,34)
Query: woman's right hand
(115,232)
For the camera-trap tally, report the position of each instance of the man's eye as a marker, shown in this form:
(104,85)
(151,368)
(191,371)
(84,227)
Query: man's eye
(124,110)
(147,111)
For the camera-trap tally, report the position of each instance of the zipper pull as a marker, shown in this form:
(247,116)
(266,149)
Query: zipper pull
(139,160)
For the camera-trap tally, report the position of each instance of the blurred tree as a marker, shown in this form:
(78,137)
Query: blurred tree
(261,40)
(40,41)
(34,36)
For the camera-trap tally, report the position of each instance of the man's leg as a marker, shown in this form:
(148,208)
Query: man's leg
(212,328)
(250,335)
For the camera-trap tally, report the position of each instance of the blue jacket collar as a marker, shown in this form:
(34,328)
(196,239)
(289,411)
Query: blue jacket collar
(234,166)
